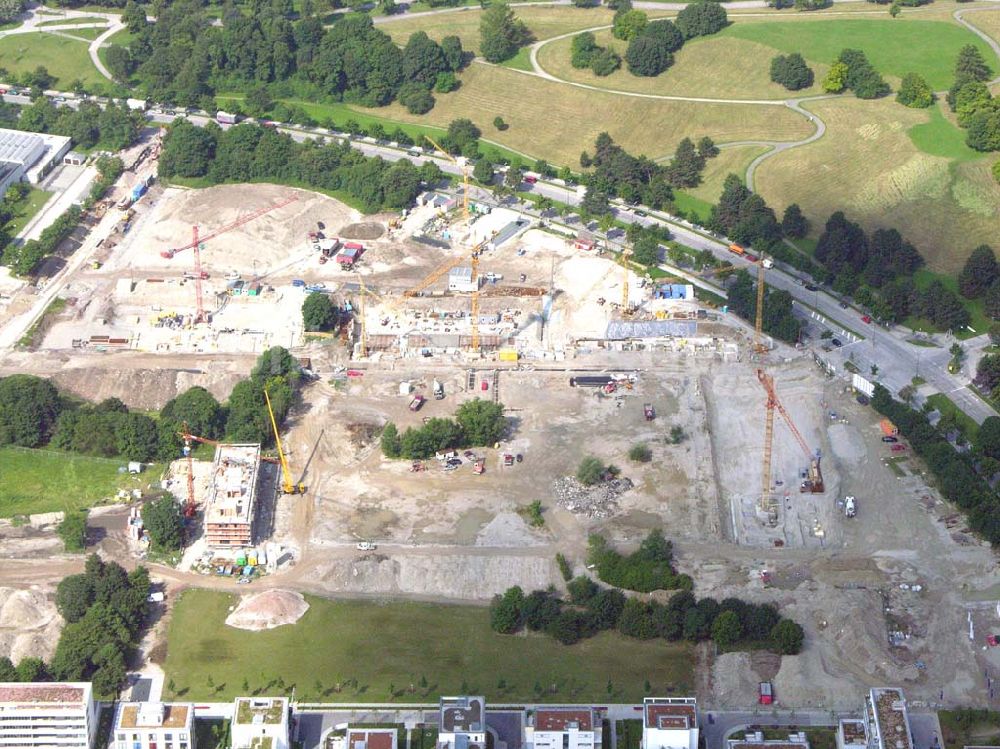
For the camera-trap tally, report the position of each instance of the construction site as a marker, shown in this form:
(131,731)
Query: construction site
(753,447)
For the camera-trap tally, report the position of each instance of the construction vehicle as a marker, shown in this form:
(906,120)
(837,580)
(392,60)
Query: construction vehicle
(229,227)
(648,411)
(417,402)
(287,485)
(812,481)
(850,507)
(479,468)
(438,390)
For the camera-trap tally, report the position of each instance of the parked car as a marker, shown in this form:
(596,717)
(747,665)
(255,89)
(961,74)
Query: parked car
(866,319)
(454,462)
(812,287)
(890,439)
(765,693)
(898,448)
(365,546)
(837,342)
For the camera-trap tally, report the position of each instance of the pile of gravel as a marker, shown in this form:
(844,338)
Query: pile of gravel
(598,501)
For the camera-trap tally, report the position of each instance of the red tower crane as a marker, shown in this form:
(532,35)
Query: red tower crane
(229,227)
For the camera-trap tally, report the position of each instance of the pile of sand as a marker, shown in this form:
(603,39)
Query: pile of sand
(29,624)
(267,610)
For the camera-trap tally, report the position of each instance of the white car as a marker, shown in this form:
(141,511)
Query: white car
(850,508)
(365,546)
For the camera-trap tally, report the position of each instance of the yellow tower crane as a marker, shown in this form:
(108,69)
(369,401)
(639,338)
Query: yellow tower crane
(464,169)
(626,254)
(758,327)
(287,485)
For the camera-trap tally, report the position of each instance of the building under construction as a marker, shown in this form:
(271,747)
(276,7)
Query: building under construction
(232,496)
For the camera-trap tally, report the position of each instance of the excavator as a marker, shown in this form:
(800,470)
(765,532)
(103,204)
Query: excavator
(288,486)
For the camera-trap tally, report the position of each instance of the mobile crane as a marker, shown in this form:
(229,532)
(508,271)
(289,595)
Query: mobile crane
(288,486)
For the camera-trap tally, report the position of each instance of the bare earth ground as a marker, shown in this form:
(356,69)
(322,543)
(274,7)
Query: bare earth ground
(457,536)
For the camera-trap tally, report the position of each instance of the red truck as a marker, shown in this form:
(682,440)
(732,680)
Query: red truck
(765,693)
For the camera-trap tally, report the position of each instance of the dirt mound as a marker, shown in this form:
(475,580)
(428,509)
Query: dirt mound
(362,230)
(267,610)
(29,624)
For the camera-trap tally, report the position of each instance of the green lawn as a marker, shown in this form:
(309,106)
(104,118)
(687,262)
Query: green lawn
(26,209)
(980,323)
(89,33)
(895,47)
(74,21)
(51,481)
(66,59)
(402,642)
(945,405)
(967,727)
(940,137)
(692,206)
(520,61)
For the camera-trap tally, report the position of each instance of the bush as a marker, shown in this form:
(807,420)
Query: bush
(701,19)
(914,92)
(590,471)
(162,518)
(534,512)
(506,611)
(73,530)
(390,442)
(640,453)
(605,62)
(564,567)
(416,98)
(787,637)
(582,590)
(791,72)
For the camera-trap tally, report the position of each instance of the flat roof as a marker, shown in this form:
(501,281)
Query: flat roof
(19,146)
(559,719)
(257,710)
(463,714)
(854,731)
(76,693)
(891,719)
(138,714)
(778,744)
(670,713)
(461,272)
(371,739)
(233,489)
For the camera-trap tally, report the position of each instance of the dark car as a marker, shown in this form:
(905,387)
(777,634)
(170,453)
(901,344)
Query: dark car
(640,214)
(812,287)
(454,461)
(837,342)
(844,305)
(862,399)
(890,439)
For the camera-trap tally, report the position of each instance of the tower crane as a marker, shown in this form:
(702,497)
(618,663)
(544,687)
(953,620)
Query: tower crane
(626,254)
(190,506)
(200,315)
(814,481)
(758,327)
(464,169)
(229,227)
(363,343)
(287,485)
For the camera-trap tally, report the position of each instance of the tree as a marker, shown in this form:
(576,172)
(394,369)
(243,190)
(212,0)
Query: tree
(707,148)
(187,150)
(318,312)
(647,55)
(685,168)
(590,471)
(119,62)
(862,78)
(29,407)
(914,92)
(134,17)
(636,620)
(73,530)
(454,55)
(836,79)
(583,47)
(987,440)
(701,19)
(667,33)
(787,637)
(137,437)
(595,203)
(199,408)
(482,422)
(506,611)
(793,223)
(74,595)
(423,59)
(10,10)
(389,442)
(582,590)
(629,24)
(646,249)
(162,518)
(482,172)
(726,629)
(462,133)
(791,72)
(979,273)
(7,670)
(32,669)
(445,83)
(971,66)
(416,98)
(988,372)
(501,32)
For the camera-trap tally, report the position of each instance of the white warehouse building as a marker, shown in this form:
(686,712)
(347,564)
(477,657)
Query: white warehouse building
(28,156)
(59,715)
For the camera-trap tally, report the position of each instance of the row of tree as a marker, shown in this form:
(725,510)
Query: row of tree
(110,128)
(970,99)
(477,423)
(591,608)
(958,479)
(249,152)
(33,413)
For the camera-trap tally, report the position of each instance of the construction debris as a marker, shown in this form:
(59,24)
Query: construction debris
(598,501)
